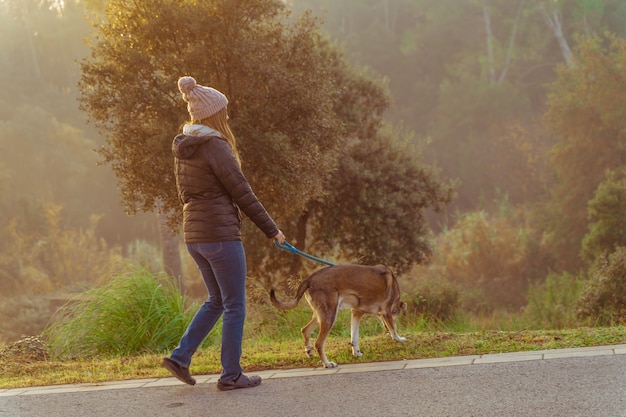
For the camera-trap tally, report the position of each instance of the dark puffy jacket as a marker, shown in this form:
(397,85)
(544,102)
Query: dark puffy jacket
(212,189)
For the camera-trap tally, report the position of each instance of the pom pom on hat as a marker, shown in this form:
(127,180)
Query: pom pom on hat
(186,84)
(202,102)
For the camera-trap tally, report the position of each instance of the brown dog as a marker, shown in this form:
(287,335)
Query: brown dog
(364,289)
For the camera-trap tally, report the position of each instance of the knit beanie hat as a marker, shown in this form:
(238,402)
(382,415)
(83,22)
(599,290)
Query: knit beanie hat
(202,101)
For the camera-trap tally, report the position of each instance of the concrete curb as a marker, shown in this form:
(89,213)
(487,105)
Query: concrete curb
(343,369)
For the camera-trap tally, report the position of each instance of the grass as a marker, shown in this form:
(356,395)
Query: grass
(129,313)
(116,331)
(261,353)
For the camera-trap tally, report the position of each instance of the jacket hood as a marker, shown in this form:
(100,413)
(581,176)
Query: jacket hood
(186,143)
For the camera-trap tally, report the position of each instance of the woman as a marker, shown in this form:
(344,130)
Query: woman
(213,190)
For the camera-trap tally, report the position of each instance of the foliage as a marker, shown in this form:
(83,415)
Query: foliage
(603,297)
(376,202)
(431,296)
(433,57)
(552,304)
(275,76)
(55,163)
(47,255)
(289,134)
(491,258)
(607,214)
(47,150)
(438,56)
(134,312)
(586,111)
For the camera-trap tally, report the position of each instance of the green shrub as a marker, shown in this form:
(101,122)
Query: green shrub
(603,297)
(607,214)
(489,258)
(136,312)
(51,256)
(552,304)
(434,298)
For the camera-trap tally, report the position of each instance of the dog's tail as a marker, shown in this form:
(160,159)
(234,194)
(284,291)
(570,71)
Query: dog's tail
(291,304)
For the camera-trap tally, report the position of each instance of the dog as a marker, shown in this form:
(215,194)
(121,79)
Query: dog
(364,289)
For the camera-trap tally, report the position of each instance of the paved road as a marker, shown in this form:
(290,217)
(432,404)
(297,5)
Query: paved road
(582,383)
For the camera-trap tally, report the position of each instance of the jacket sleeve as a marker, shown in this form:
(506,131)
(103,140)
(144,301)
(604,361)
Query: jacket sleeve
(227,170)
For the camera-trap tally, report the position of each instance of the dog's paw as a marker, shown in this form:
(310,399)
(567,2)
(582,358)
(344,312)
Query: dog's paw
(356,353)
(330,365)
(401,339)
(309,351)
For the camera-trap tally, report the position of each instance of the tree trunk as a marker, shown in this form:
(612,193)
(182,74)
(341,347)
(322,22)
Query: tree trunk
(493,80)
(300,242)
(509,53)
(490,55)
(554,22)
(171,252)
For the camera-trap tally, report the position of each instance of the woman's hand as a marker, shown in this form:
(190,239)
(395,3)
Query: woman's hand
(280,237)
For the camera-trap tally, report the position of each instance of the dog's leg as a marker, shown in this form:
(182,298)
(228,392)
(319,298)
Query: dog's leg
(354,332)
(326,321)
(306,335)
(390,324)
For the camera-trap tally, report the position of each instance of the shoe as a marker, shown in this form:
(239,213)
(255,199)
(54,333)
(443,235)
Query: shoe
(178,371)
(241,381)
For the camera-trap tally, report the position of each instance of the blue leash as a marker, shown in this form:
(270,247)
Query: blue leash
(289,247)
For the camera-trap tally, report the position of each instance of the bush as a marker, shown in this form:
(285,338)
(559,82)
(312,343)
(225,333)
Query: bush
(490,259)
(607,214)
(136,312)
(552,304)
(434,298)
(603,297)
(51,256)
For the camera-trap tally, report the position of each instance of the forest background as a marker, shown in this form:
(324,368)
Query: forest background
(517,106)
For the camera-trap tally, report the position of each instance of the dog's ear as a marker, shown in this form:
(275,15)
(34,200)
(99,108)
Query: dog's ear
(403,307)
(399,308)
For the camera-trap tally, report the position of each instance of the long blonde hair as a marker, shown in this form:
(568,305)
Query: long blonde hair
(219,122)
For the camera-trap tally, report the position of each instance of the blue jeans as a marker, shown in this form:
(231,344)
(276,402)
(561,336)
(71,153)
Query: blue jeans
(223,268)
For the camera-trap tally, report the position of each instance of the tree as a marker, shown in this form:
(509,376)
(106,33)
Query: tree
(603,296)
(495,78)
(551,11)
(463,73)
(607,217)
(586,110)
(275,76)
(377,202)
(294,103)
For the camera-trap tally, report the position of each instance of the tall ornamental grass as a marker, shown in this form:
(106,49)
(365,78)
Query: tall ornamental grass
(136,312)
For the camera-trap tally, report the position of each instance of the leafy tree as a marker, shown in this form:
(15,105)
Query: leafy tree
(603,297)
(293,99)
(607,215)
(586,110)
(276,78)
(377,201)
